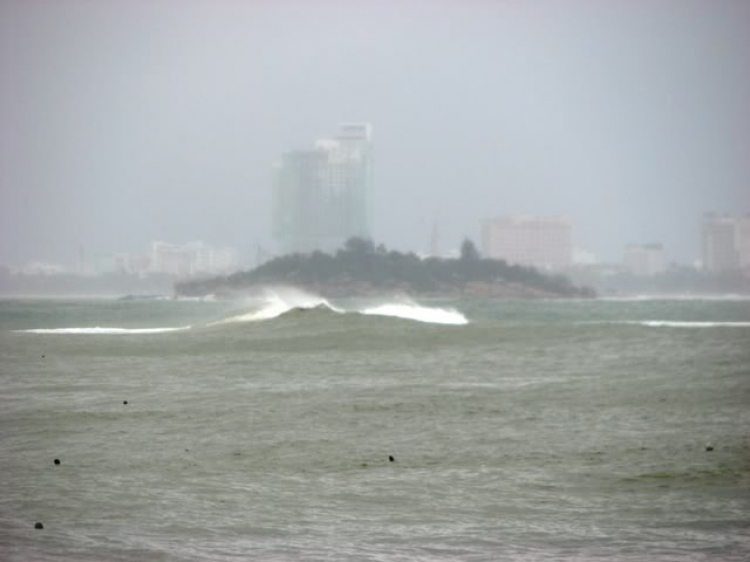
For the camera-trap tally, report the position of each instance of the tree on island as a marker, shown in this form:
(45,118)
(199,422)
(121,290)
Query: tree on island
(469,251)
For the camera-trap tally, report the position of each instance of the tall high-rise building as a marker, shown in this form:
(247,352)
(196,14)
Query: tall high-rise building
(720,243)
(320,194)
(538,241)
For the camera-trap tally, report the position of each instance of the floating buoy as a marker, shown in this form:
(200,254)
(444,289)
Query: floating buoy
(38,525)
(57,461)
(391,459)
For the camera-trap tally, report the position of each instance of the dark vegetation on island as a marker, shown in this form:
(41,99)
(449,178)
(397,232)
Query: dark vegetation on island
(360,267)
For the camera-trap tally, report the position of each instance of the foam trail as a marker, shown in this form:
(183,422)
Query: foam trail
(670,324)
(418,313)
(98,330)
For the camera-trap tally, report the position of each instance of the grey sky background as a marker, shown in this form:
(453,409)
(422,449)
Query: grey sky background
(123,122)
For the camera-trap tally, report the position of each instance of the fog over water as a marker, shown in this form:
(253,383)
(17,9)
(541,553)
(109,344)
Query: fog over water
(127,122)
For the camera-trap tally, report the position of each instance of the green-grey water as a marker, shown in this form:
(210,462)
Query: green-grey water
(540,430)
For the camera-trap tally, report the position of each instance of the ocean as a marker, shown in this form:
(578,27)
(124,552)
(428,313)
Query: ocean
(294,428)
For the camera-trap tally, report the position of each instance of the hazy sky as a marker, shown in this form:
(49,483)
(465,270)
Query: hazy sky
(123,122)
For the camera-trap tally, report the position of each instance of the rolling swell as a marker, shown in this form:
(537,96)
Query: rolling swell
(289,304)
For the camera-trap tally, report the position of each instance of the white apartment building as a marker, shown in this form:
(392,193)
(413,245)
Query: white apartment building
(193,258)
(645,259)
(539,241)
(725,243)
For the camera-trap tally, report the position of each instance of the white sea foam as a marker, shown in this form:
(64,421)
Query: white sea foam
(413,311)
(672,324)
(99,330)
(679,297)
(278,301)
(207,298)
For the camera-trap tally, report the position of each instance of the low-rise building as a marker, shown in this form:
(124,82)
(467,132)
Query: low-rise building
(539,241)
(721,243)
(193,258)
(645,259)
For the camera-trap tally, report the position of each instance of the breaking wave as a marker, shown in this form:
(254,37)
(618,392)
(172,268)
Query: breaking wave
(98,330)
(278,302)
(282,301)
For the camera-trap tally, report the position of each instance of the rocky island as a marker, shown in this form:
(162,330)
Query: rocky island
(362,269)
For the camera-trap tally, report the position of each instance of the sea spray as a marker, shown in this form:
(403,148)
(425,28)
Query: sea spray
(277,301)
(281,300)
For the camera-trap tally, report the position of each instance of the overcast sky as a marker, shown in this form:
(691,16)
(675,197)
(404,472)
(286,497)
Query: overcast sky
(123,122)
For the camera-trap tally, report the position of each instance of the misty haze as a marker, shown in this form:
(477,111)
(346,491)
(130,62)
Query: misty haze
(349,280)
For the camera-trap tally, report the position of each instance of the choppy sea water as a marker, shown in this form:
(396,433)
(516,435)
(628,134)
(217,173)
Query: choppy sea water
(540,430)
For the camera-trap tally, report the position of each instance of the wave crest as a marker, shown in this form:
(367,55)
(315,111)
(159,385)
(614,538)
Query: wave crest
(280,301)
(277,302)
(413,311)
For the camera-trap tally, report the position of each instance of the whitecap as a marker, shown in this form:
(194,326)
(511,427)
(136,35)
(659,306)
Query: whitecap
(280,301)
(673,324)
(412,311)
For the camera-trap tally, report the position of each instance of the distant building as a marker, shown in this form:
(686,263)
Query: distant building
(320,195)
(539,241)
(645,259)
(582,256)
(721,243)
(743,241)
(225,260)
(171,259)
(133,264)
(193,258)
(39,268)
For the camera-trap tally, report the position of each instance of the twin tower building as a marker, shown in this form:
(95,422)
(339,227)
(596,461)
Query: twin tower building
(321,194)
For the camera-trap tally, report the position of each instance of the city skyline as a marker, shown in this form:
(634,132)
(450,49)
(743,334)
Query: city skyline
(631,122)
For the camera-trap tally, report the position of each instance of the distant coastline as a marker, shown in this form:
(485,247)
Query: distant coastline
(362,269)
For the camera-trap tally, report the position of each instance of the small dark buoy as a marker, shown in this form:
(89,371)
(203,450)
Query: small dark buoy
(125,402)
(42,356)
(709,448)
(57,461)
(391,459)
(38,525)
